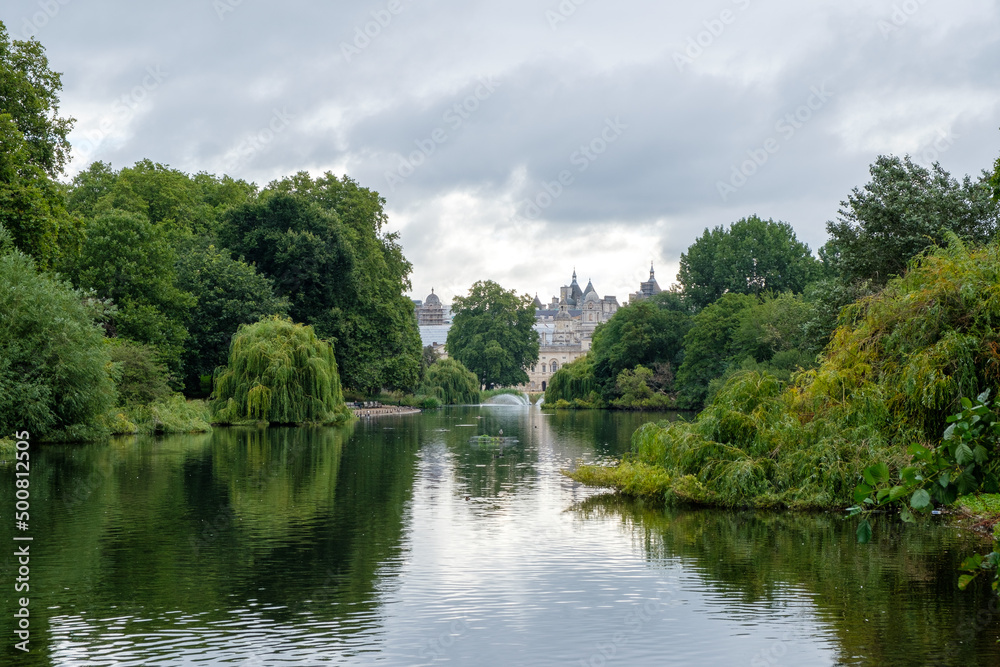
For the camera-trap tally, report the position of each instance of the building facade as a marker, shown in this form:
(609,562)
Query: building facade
(565,328)
(646,289)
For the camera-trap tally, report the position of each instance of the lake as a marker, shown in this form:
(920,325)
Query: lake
(401,541)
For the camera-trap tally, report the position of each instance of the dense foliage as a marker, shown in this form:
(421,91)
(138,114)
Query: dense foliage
(131,261)
(229,293)
(323,244)
(281,373)
(893,373)
(493,334)
(451,382)
(33,151)
(644,332)
(55,377)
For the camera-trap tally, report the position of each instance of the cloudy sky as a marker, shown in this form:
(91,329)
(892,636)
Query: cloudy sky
(517,140)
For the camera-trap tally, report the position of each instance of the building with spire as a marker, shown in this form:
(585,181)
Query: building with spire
(646,289)
(565,327)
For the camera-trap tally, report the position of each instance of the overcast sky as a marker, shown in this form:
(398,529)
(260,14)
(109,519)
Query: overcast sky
(517,140)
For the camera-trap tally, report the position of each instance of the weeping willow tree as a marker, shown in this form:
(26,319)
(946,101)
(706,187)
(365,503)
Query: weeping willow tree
(574,380)
(898,365)
(452,382)
(279,372)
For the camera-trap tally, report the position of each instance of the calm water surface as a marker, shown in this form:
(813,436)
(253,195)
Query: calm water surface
(399,542)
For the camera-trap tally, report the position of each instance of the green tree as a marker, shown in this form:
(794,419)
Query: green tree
(54,365)
(452,382)
(901,212)
(129,260)
(29,92)
(279,372)
(33,151)
(753,256)
(378,340)
(707,346)
(493,334)
(186,205)
(301,247)
(229,293)
(645,332)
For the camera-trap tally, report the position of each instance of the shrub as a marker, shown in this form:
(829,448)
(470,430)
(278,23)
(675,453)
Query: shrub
(139,378)
(54,379)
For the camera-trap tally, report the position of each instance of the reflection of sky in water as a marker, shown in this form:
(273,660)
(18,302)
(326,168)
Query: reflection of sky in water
(417,546)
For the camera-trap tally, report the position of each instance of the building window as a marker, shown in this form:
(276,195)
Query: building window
(555,367)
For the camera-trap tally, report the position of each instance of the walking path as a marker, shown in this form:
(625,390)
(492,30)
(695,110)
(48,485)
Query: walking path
(378,410)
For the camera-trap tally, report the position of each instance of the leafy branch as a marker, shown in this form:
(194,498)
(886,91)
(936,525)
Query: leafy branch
(965,462)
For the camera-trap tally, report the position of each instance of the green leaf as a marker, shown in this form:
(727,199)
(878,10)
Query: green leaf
(909,474)
(906,515)
(981,454)
(864,532)
(944,479)
(920,499)
(869,476)
(881,495)
(966,403)
(881,472)
(972,563)
(949,432)
(965,580)
(861,491)
(963,454)
(896,492)
(983,397)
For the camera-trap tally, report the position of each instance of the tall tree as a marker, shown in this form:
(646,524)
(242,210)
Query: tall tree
(902,211)
(493,334)
(29,91)
(131,261)
(753,256)
(378,340)
(323,244)
(229,293)
(33,151)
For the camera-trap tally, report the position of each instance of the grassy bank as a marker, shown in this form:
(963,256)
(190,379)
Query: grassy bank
(172,414)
